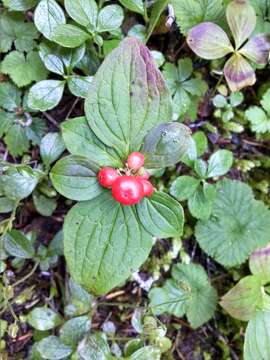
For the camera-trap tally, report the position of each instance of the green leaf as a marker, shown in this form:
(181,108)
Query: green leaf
(110,18)
(13,28)
(127,98)
(75,177)
(46,94)
(51,147)
(70,36)
(41,318)
(245,298)
(220,102)
(48,15)
(161,215)
(52,348)
(16,244)
(188,292)
(147,353)
(19,5)
(16,140)
(184,187)
(97,257)
(79,85)
(237,226)
(200,203)
(10,96)
(193,12)
(157,9)
(19,182)
(257,336)
(259,263)
(80,140)
(74,330)
(133,5)
(236,99)
(201,142)
(94,346)
(219,163)
(259,120)
(84,12)
(265,101)
(80,300)
(44,205)
(209,41)
(165,145)
(6,205)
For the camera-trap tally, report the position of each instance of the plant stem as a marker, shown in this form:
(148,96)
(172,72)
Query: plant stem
(26,276)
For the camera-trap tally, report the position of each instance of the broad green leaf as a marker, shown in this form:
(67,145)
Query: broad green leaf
(239,73)
(84,12)
(80,301)
(80,140)
(75,177)
(134,5)
(19,182)
(23,70)
(97,257)
(74,330)
(220,101)
(259,263)
(245,298)
(257,49)
(201,142)
(219,163)
(193,12)
(69,36)
(165,144)
(48,15)
(241,18)
(16,140)
(209,41)
(6,205)
(13,28)
(200,203)
(238,224)
(19,5)
(46,94)
(44,205)
(265,101)
(188,292)
(79,85)
(10,96)
(17,244)
(110,18)
(127,98)
(236,98)
(257,336)
(259,120)
(51,147)
(51,348)
(41,318)
(161,215)
(53,63)
(147,353)
(94,346)
(157,9)
(184,187)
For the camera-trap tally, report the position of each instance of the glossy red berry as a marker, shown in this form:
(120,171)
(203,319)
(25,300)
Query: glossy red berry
(148,188)
(135,160)
(127,190)
(145,175)
(107,176)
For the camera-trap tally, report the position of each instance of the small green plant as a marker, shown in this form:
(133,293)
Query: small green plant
(210,41)
(259,116)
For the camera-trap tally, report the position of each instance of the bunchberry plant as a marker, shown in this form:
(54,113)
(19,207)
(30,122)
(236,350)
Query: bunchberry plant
(127,127)
(210,41)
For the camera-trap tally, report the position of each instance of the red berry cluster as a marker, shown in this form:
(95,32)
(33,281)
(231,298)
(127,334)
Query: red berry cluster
(130,185)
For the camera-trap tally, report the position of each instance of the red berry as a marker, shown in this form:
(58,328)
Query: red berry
(145,175)
(107,176)
(135,160)
(127,190)
(148,188)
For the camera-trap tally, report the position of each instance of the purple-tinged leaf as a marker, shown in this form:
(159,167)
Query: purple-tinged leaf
(209,41)
(257,49)
(239,73)
(259,263)
(241,18)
